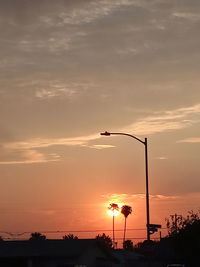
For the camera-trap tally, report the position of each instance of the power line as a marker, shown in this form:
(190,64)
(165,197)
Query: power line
(128,238)
(74,231)
(18,234)
(117,239)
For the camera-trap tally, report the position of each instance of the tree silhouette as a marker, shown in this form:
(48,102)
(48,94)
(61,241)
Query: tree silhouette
(184,237)
(104,240)
(37,236)
(70,236)
(113,207)
(128,245)
(174,224)
(125,210)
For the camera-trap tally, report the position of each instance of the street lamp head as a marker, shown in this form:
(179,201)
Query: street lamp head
(105,133)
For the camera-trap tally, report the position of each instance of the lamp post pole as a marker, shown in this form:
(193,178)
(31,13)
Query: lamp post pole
(146,175)
(147,189)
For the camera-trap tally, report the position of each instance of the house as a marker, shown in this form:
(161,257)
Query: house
(56,253)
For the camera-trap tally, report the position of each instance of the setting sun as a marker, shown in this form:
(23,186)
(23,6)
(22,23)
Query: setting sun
(114,209)
(113,212)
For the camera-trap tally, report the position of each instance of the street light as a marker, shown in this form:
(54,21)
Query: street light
(146,174)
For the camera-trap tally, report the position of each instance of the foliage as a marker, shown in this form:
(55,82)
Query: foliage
(70,236)
(113,207)
(178,224)
(128,245)
(37,236)
(104,240)
(184,236)
(126,210)
(174,224)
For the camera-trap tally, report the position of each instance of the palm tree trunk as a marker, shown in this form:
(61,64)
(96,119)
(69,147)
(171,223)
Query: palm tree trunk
(113,231)
(124,231)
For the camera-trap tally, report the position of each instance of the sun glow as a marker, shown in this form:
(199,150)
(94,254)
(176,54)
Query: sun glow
(113,209)
(113,212)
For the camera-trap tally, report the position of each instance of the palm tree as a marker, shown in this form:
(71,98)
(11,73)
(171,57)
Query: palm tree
(113,207)
(125,210)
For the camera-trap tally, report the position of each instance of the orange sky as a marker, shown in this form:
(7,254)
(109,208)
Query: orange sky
(73,69)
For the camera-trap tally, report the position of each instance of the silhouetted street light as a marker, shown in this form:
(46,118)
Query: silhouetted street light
(146,172)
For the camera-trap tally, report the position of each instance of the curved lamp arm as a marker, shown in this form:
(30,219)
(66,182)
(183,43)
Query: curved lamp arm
(130,135)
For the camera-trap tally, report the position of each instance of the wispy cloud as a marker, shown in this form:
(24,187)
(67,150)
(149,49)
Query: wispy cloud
(165,121)
(51,89)
(161,158)
(58,91)
(156,123)
(42,142)
(27,151)
(128,51)
(52,44)
(91,11)
(30,156)
(182,202)
(186,15)
(190,140)
(123,198)
(101,146)
(55,44)
(85,13)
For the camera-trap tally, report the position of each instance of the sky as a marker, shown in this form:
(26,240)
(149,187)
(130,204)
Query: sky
(70,69)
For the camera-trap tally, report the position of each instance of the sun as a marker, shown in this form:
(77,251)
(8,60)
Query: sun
(113,209)
(113,212)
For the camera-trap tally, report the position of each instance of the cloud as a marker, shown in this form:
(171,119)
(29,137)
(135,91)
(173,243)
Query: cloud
(190,140)
(91,11)
(128,51)
(165,197)
(53,44)
(158,122)
(186,15)
(123,198)
(46,212)
(55,92)
(30,156)
(55,88)
(183,202)
(161,158)
(165,121)
(61,89)
(42,142)
(101,146)
(27,150)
